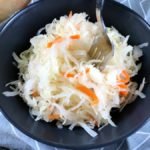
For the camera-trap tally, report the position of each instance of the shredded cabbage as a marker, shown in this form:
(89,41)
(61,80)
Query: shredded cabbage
(58,81)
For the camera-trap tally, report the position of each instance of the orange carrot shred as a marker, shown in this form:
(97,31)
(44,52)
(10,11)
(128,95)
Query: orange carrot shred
(87,70)
(124,77)
(49,44)
(54,116)
(123,80)
(123,86)
(123,93)
(89,93)
(70,75)
(77,36)
(35,94)
(123,89)
(57,40)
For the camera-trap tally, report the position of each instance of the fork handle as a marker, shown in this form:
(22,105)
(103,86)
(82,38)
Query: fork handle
(100,4)
(99,8)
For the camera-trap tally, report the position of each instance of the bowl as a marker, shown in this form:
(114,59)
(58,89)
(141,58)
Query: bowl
(15,37)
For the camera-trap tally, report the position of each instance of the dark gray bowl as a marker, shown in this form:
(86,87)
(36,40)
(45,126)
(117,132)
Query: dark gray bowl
(15,37)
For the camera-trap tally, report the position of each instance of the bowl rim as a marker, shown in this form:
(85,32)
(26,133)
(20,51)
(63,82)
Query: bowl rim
(27,9)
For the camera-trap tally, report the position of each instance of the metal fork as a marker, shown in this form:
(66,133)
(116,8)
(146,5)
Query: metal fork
(102,48)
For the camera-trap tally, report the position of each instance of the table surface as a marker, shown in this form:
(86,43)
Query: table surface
(12,138)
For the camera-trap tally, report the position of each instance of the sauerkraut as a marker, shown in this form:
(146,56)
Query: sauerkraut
(59,81)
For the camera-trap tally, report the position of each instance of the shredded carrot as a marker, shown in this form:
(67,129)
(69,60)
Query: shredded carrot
(123,93)
(87,70)
(57,40)
(76,36)
(123,89)
(70,75)
(49,44)
(35,94)
(89,93)
(70,14)
(124,77)
(54,116)
(123,86)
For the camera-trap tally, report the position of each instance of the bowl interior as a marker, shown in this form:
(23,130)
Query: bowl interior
(15,38)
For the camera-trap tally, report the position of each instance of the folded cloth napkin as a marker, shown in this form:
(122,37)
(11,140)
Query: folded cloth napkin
(12,138)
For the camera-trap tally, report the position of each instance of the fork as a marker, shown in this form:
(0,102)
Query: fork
(102,48)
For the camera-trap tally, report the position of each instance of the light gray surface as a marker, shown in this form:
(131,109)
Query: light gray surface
(142,7)
(12,138)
